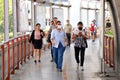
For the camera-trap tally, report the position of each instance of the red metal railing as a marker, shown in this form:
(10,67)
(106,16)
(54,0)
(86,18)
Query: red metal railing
(109,51)
(13,53)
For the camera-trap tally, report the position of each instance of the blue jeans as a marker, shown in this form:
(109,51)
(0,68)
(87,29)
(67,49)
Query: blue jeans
(58,55)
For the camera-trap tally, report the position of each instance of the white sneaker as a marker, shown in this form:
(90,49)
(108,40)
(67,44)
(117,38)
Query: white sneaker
(82,68)
(77,65)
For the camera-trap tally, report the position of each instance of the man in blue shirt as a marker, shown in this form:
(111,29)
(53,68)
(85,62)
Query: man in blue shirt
(59,42)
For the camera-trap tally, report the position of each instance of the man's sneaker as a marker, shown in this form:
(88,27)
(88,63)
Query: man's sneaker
(60,70)
(35,61)
(39,60)
(51,60)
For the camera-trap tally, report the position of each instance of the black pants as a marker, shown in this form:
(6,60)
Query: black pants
(69,38)
(80,51)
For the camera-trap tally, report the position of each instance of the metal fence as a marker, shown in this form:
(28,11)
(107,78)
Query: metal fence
(109,51)
(13,53)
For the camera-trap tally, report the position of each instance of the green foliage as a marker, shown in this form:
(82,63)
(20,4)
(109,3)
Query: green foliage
(11,34)
(2,20)
(1,11)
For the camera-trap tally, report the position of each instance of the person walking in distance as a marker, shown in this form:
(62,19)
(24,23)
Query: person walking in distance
(80,44)
(68,29)
(36,39)
(92,29)
(52,27)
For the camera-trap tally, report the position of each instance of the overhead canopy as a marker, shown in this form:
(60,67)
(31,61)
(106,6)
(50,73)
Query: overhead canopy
(61,0)
(50,0)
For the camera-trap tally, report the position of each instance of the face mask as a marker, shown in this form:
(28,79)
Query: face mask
(80,28)
(60,27)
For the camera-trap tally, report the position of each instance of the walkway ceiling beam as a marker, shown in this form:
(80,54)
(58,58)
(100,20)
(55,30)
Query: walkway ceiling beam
(93,8)
(89,8)
(53,4)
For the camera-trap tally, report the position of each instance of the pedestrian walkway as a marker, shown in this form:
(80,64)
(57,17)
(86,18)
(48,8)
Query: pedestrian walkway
(47,70)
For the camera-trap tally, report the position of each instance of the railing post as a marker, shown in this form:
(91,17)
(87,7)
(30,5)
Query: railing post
(111,48)
(3,62)
(8,45)
(107,54)
(13,60)
(24,48)
(28,47)
(17,54)
(109,51)
(106,49)
(113,54)
(21,51)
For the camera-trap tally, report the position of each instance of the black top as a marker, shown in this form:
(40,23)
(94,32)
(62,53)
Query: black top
(32,36)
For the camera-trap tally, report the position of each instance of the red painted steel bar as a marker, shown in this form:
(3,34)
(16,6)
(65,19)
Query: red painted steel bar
(13,57)
(112,53)
(8,45)
(106,49)
(109,51)
(113,62)
(24,38)
(3,62)
(28,48)
(21,51)
(18,54)
(21,56)
(111,56)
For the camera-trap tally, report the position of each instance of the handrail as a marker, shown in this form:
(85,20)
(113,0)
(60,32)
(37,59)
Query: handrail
(14,52)
(13,38)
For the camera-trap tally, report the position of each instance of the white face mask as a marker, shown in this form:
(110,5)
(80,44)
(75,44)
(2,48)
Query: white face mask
(59,27)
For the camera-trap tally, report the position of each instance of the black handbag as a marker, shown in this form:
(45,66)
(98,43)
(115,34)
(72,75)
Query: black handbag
(86,42)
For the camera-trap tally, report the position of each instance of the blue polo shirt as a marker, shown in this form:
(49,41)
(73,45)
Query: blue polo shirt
(58,37)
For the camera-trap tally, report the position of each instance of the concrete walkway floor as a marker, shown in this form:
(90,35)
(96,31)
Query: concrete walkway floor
(47,70)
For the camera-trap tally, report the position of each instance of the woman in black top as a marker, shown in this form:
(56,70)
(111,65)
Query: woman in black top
(36,39)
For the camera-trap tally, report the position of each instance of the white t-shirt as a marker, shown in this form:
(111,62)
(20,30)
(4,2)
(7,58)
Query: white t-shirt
(79,41)
(76,31)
